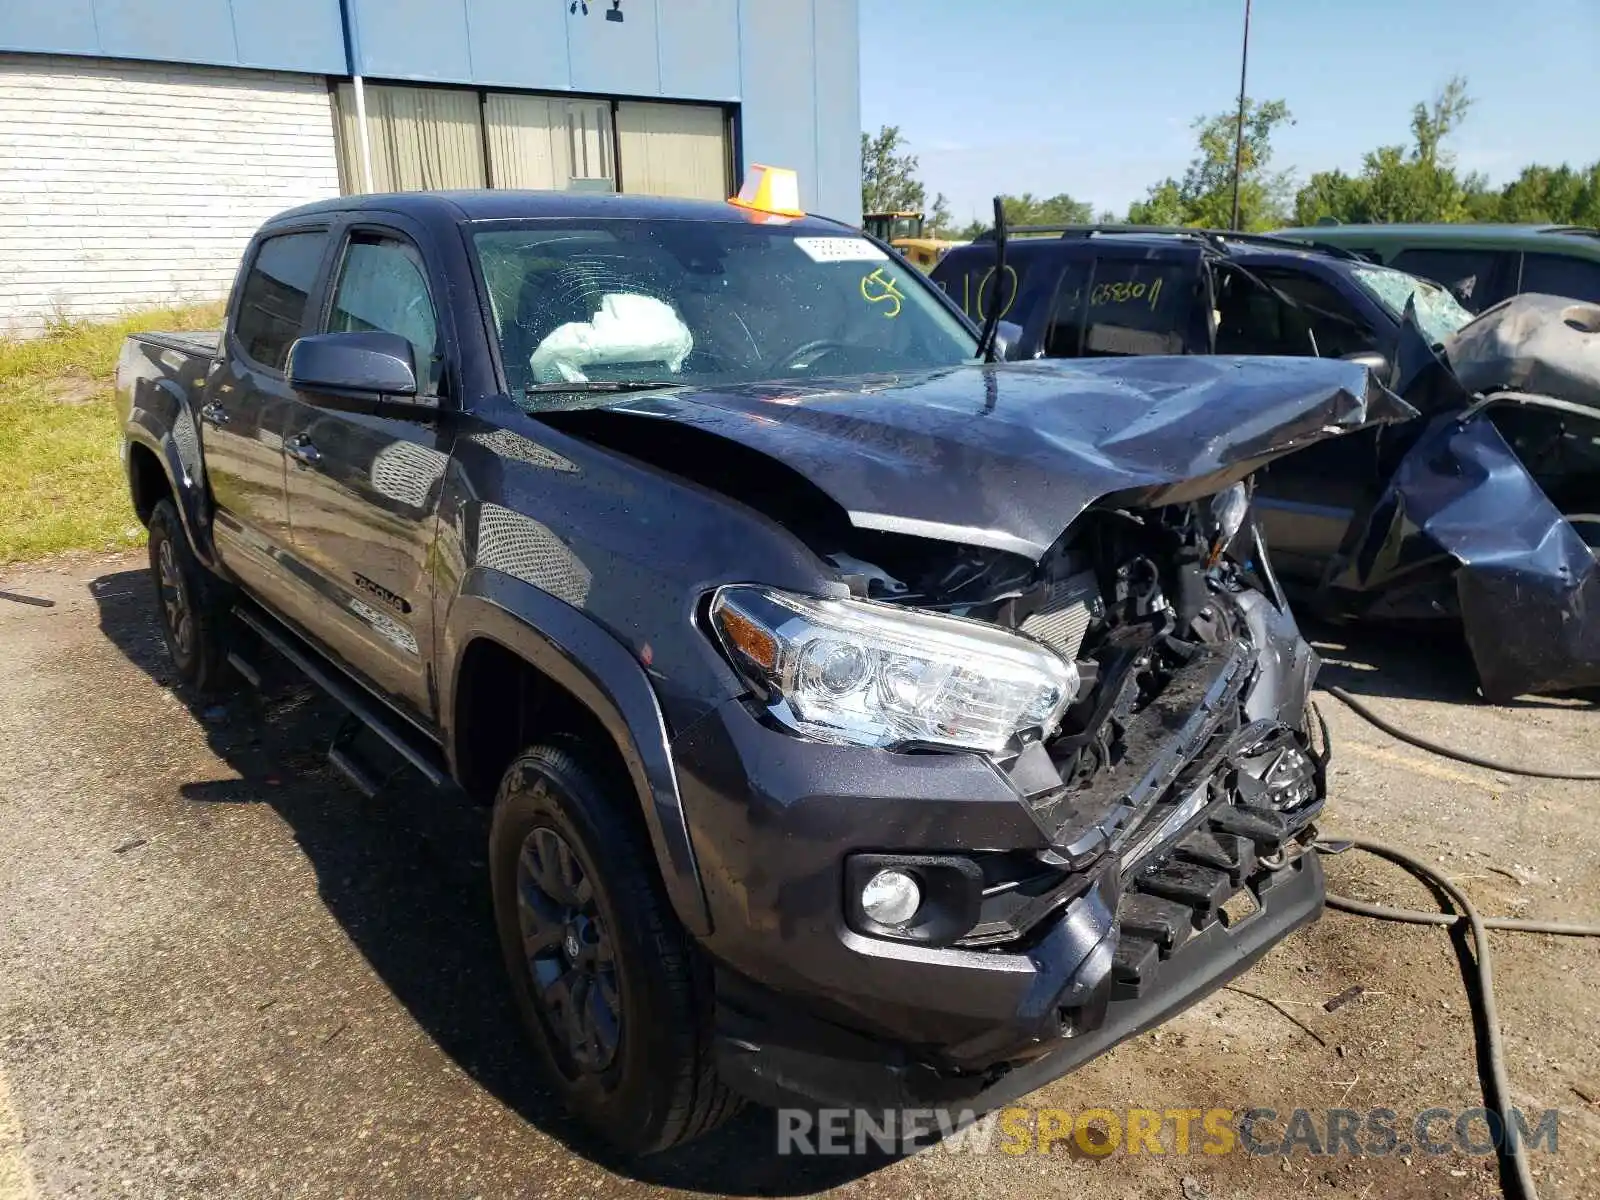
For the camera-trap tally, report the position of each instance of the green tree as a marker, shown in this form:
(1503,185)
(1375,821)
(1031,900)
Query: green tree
(1164,205)
(1028,209)
(889,180)
(1556,195)
(1329,194)
(1061,209)
(939,220)
(1401,184)
(1204,196)
(1429,127)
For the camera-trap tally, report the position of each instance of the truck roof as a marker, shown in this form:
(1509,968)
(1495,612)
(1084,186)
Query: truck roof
(1244,248)
(1439,234)
(501,204)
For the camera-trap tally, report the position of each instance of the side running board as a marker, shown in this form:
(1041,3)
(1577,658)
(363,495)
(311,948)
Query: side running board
(362,708)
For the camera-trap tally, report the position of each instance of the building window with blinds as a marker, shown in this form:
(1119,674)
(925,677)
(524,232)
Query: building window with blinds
(674,150)
(421,139)
(546,143)
(428,138)
(593,141)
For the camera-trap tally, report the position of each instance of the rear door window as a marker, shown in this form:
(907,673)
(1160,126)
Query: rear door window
(1121,306)
(1469,274)
(272,302)
(1557,275)
(1336,323)
(1252,319)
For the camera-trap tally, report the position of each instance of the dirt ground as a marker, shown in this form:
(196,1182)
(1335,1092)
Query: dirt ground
(223,973)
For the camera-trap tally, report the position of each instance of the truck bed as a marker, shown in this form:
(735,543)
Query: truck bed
(161,373)
(202,342)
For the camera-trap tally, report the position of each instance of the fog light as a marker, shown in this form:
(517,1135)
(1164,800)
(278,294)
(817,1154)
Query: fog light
(1291,781)
(891,897)
(1283,777)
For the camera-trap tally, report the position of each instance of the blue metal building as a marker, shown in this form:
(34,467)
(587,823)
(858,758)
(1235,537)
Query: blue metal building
(142,140)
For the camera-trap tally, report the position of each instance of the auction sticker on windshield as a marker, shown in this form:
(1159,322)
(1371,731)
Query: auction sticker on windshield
(839,249)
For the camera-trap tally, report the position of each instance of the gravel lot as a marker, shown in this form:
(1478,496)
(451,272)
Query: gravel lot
(223,973)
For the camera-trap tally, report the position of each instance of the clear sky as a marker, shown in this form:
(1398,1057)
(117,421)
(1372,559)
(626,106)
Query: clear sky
(1095,99)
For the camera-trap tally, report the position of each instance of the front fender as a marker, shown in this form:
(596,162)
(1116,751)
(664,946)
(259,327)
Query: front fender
(571,649)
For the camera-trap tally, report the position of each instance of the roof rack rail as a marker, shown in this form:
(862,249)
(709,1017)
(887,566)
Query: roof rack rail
(1217,238)
(1573,230)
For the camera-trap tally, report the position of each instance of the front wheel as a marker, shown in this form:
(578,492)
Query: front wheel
(193,604)
(617,1004)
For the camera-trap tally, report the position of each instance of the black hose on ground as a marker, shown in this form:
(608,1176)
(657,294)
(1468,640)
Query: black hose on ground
(1411,916)
(1415,739)
(1498,1093)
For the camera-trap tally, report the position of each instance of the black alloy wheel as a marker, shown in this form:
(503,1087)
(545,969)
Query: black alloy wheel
(192,604)
(176,610)
(570,955)
(616,999)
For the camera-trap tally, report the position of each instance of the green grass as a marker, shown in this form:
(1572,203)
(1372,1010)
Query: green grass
(61,482)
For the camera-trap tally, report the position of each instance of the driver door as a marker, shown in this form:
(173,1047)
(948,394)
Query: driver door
(363,489)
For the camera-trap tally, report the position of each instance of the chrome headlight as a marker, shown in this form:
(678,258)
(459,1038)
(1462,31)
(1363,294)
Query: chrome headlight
(877,675)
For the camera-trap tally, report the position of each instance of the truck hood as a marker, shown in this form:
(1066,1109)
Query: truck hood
(1008,455)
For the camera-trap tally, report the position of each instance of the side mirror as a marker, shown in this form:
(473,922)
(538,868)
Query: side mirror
(364,372)
(1007,340)
(1374,361)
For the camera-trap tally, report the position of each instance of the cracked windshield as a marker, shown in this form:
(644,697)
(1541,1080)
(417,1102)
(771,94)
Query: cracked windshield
(1438,313)
(708,302)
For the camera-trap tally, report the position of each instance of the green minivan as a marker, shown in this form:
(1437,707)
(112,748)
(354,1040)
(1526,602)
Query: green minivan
(1481,264)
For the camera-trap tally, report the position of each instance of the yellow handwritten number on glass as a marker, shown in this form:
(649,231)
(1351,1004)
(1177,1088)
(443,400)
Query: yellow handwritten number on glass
(878,288)
(1124,292)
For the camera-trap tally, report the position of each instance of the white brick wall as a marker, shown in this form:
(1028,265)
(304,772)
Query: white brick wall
(126,184)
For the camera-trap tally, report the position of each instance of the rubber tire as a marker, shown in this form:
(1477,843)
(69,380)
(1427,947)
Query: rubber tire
(666,1090)
(205,668)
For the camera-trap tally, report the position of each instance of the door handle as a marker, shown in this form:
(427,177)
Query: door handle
(214,414)
(300,448)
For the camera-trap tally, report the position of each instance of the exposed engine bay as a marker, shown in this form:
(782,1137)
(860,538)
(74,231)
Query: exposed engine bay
(1191,671)
(1172,619)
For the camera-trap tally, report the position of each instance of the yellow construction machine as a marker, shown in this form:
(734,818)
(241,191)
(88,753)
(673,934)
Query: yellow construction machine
(903,231)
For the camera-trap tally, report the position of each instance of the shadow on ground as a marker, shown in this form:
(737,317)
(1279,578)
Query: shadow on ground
(1422,661)
(405,876)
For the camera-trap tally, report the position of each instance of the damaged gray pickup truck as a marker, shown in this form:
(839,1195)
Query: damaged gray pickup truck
(865,723)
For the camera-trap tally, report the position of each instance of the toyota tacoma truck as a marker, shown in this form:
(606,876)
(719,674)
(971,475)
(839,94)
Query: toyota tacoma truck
(866,721)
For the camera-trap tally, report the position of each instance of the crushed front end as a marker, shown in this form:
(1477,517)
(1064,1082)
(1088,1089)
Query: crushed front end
(1070,889)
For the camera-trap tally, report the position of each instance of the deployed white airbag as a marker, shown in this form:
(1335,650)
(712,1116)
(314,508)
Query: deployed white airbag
(628,329)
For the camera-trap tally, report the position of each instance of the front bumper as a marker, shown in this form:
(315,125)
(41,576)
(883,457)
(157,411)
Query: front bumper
(811,1009)
(777,1054)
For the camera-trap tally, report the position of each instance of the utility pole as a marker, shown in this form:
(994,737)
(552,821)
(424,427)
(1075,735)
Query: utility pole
(1238,133)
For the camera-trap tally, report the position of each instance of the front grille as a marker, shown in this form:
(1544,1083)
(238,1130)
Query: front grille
(1188,720)
(1198,883)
